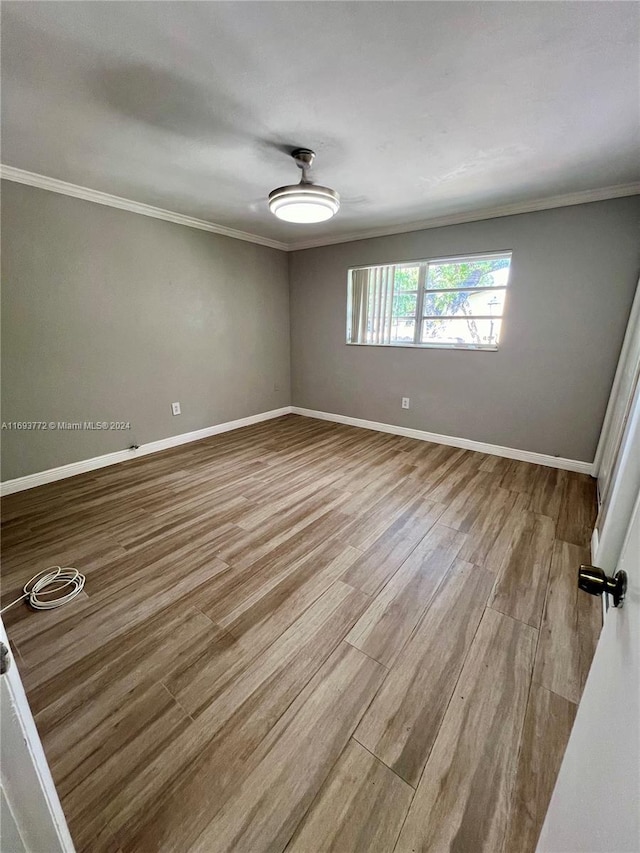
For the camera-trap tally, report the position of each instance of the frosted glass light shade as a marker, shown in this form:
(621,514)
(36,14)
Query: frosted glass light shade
(304,203)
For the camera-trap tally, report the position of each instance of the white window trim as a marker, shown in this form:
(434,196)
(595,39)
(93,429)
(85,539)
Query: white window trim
(423,265)
(439,259)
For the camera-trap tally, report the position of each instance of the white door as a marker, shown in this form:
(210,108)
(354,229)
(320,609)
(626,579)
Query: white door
(31,818)
(595,807)
(619,408)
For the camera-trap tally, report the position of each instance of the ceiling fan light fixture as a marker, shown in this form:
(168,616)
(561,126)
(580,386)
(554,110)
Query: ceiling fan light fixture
(304,202)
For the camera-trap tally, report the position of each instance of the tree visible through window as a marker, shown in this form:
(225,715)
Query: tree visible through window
(452,302)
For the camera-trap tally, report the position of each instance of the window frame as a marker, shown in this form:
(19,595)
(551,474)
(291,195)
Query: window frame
(422,290)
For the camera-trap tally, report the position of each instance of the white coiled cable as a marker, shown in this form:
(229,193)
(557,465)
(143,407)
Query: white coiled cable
(49,582)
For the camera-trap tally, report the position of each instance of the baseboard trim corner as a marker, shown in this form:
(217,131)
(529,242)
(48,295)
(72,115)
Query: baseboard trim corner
(452,441)
(30,481)
(40,478)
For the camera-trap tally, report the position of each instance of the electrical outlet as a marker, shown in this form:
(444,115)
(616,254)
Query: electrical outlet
(175,409)
(406,401)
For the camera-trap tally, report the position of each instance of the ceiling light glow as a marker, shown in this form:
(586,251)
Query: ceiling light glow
(304,202)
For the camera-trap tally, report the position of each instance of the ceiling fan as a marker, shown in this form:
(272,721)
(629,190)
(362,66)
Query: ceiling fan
(305,202)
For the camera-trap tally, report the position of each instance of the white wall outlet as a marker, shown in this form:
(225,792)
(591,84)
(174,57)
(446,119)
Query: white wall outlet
(406,402)
(175,409)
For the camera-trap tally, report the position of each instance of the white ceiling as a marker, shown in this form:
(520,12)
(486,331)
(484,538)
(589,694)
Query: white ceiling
(416,110)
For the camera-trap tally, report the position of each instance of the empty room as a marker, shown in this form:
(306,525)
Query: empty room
(320,427)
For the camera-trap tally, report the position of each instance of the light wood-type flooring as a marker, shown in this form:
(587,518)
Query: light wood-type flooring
(306,637)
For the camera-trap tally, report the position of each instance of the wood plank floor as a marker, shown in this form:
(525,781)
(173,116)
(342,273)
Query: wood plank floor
(308,637)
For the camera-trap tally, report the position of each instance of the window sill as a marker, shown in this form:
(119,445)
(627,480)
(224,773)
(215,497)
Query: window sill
(460,347)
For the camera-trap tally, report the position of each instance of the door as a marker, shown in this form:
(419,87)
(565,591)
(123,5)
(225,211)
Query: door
(31,816)
(617,462)
(595,807)
(619,408)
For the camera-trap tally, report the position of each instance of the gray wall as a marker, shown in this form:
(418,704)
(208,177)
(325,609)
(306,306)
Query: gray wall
(573,275)
(108,315)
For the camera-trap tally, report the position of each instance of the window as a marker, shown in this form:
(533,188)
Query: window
(448,302)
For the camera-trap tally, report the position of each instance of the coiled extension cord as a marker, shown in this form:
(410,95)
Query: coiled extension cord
(49,582)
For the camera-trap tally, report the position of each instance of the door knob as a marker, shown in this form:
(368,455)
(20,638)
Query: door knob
(593,580)
(5,659)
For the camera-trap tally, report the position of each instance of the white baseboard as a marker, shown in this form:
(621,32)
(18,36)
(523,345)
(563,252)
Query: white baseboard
(81,467)
(453,441)
(32,480)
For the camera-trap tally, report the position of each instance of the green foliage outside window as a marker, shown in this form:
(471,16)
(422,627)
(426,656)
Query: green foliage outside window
(466,275)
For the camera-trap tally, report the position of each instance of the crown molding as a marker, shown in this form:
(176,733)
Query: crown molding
(20,176)
(32,179)
(566,200)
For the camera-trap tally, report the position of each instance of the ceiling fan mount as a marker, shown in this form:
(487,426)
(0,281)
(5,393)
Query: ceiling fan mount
(304,158)
(304,202)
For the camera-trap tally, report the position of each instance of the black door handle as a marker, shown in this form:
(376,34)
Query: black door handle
(593,580)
